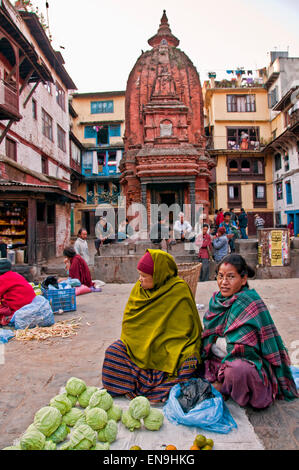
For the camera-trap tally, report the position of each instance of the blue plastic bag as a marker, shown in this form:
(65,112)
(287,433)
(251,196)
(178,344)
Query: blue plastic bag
(38,313)
(73,282)
(6,335)
(211,414)
(295,373)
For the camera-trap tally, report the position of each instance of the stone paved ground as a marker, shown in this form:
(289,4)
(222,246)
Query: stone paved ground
(34,372)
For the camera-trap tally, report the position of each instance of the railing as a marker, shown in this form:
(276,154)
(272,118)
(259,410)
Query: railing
(294,117)
(9,97)
(224,143)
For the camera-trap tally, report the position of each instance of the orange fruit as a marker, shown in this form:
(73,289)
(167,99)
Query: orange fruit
(206,448)
(210,442)
(135,448)
(200,440)
(170,447)
(194,447)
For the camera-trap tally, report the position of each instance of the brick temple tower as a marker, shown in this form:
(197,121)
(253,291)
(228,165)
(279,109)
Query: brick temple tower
(165,160)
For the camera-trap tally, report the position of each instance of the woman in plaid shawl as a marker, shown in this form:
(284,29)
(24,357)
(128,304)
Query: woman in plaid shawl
(253,367)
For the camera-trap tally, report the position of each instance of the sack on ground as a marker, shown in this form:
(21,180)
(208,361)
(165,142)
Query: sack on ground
(38,313)
(211,414)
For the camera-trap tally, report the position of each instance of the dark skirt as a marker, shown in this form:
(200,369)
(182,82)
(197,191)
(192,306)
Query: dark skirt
(120,376)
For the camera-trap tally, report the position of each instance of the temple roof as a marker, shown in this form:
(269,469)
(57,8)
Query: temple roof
(164,34)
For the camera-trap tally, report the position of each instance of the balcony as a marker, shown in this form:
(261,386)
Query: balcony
(294,118)
(233,143)
(9,102)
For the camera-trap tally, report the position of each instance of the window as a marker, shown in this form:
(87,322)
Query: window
(99,107)
(90,132)
(289,192)
(234,195)
(11,149)
(243,138)
(286,161)
(240,103)
(277,158)
(47,123)
(90,193)
(47,86)
(40,211)
(34,109)
(60,96)
(61,138)
(114,131)
(279,194)
(273,97)
(259,195)
(87,163)
(103,135)
(246,168)
(45,167)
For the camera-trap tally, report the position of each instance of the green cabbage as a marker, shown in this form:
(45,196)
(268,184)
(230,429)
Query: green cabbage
(62,403)
(83,438)
(130,422)
(101,446)
(154,420)
(139,407)
(75,386)
(96,418)
(109,433)
(80,421)
(60,434)
(49,445)
(84,398)
(114,412)
(32,440)
(72,399)
(47,420)
(16,448)
(101,399)
(31,427)
(72,416)
(65,446)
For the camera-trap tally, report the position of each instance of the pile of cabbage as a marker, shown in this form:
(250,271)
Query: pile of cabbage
(62,425)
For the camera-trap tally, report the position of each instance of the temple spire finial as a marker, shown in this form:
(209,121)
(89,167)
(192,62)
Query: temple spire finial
(164,32)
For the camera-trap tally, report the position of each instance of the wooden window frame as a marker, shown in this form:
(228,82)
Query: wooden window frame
(45,165)
(9,145)
(234,202)
(61,138)
(239,174)
(47,125)
(60,96)
(232,107)
(237,137)
(276,161)
(100,107)
(259,202)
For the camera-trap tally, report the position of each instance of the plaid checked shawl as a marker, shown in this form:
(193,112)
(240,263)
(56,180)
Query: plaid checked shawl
(250,333)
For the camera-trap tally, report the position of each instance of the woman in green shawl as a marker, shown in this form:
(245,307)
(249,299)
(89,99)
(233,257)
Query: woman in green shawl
(252,366)
(161,330)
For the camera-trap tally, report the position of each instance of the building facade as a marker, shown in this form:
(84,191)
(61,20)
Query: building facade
(238,129)
(165,160)
(35,183)
(99,126)
(282,82)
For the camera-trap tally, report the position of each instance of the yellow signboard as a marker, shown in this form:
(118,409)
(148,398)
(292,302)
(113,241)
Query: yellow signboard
(276,248)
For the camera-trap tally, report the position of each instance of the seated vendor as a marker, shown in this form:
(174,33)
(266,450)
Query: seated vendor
(15,292)
(253,365)
(76,267)
(161,331)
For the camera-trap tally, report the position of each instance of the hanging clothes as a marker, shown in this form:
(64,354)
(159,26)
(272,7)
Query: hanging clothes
(95,167)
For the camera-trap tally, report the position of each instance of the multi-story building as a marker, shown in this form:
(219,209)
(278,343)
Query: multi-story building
(282,82)
(99,126)
(35,183)
(238,128)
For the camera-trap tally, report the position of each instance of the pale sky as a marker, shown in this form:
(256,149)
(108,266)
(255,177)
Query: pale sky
(103,39)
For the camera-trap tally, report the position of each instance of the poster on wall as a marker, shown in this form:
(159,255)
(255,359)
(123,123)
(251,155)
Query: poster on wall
(276,248)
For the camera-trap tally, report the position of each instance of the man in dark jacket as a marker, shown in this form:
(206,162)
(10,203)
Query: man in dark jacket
(243,222)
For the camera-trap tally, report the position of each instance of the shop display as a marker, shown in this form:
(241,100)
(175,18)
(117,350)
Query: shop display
(13,224)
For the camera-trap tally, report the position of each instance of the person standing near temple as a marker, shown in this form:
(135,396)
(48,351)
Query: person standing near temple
(243,223)
(205,253)
(219,218)
(81,246)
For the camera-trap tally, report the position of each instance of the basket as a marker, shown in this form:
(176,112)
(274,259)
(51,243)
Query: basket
(190,273)
(61,299)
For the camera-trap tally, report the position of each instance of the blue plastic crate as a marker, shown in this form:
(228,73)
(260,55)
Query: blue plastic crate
(61,299)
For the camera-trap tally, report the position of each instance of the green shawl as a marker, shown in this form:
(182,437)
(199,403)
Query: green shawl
(161,327)
(251,334)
